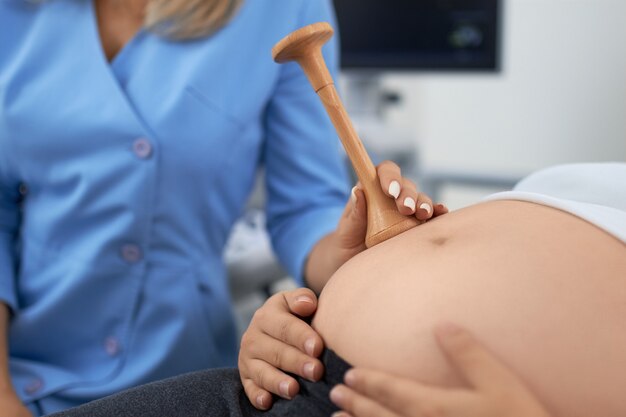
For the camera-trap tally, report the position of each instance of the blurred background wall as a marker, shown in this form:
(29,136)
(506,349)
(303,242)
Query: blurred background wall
(560,96)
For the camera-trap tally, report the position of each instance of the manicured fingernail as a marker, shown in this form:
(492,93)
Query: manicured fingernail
(260,401)
(336,395)
(394,189)
(349,378)
(410,203)
(284,389)
(309,347)
(353,195)
(304,299)
(426,207)
(338,414)
(309,371)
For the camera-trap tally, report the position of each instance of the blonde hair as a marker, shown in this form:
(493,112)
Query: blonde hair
(189,19)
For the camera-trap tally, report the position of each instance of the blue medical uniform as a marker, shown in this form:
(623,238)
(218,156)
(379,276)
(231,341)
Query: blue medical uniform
(119,184)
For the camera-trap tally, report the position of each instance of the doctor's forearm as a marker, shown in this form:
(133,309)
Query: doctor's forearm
(322,263)
(5,379)
(10,403)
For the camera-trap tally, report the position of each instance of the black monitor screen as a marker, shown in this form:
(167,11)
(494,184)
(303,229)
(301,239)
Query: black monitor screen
(419,34)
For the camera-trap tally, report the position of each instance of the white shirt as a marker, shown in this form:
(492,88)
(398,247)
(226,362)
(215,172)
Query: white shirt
(595,192)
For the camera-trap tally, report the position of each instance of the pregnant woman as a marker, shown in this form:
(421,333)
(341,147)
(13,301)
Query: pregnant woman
(538,275)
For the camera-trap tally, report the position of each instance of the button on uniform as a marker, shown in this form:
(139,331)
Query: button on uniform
(112,345)
(33,386)
(142,148)
(131,253)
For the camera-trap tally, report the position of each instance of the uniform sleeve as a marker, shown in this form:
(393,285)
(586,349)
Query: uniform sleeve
(9,220)
(305,169)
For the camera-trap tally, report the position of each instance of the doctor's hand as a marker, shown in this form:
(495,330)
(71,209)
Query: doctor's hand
(278,339)
(494,390)
(348,239)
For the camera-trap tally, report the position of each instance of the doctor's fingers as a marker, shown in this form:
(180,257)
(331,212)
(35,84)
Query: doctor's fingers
(390,177)
(260,363)
(301,301)
(258,397)
(440,209)
(408,199)
(284,358)
(411,201)
(261,379)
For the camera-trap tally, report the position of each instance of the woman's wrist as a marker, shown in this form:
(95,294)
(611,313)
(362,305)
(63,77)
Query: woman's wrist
(6,386)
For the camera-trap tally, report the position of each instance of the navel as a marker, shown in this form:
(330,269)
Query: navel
(439,240)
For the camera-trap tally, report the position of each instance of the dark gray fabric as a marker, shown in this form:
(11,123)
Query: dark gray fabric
(214,393)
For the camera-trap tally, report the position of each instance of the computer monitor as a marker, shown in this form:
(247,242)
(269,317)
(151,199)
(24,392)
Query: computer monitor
(419,34)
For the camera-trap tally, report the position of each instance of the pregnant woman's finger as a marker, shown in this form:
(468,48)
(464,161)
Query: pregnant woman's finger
(291,330)
(286,358)
(260,398)
(301,301)
(473,361)
(277,338)
(357,405)
(276,320)
(267,377)
(400,395)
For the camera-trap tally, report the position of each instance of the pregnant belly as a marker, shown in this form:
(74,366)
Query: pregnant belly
(544,291)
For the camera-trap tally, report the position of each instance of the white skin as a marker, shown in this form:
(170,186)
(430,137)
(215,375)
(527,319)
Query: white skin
(278,339)
(348,239)
(494,390)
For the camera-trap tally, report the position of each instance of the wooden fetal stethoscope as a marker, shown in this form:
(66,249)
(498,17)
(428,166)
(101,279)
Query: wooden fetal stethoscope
(305,47)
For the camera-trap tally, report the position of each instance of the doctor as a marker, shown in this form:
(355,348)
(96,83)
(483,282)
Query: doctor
(130,136)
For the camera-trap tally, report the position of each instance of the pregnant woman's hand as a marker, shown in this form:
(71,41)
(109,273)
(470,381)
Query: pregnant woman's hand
(348,240)
(278,339)
(495,391)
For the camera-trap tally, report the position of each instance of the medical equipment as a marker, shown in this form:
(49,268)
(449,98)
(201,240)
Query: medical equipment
(305,46)
(431,35)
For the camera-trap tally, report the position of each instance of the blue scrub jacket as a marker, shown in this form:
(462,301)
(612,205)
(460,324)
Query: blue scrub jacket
(119,184)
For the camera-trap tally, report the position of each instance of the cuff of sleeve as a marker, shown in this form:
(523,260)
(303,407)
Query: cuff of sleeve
(8,294)
(294,241)
(8,297)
